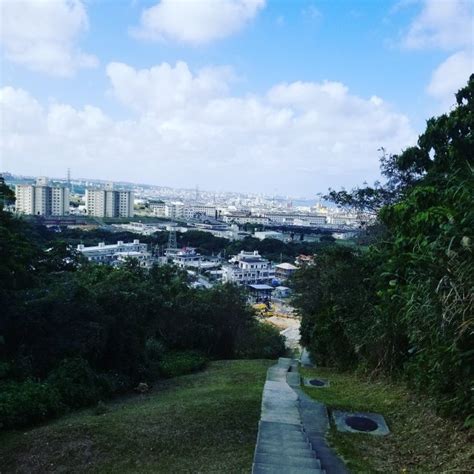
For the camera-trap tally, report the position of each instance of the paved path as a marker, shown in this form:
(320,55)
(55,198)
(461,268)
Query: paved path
(284,446)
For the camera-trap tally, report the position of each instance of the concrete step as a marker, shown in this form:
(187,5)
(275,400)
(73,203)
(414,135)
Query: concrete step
(273,469)
(283,438)
(305,452)
(278,435)
(259,468)
(275,426)
(286,445)
(293,379)
(284,460)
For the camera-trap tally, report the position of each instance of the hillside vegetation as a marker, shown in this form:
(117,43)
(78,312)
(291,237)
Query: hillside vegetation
(405,305)
(204,422)
(73,333)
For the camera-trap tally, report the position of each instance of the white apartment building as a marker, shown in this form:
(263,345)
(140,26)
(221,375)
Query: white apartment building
(174,210)
(41,199)
(59,201)
(115,254)
(191,211)
(238,219)
(297,219)
(179,210)
(248,268)
(109,202)
(344,219)
(158,208)
(95,202)
(25,198)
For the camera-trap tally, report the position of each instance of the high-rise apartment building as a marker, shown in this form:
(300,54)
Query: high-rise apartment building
(42,199)
(109,202)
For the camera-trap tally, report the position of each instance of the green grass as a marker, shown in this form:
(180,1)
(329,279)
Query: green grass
(204,422)
(420,441)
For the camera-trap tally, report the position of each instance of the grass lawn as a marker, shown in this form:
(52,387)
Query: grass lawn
(420,441)
(204,422)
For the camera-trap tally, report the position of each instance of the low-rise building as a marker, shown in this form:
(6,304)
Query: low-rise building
(260,292)
(302,260)
(116,254)
(196,210)
(283,271)
(245,219)
(248,268)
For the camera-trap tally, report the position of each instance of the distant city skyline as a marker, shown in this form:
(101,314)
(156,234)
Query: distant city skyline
(286,98)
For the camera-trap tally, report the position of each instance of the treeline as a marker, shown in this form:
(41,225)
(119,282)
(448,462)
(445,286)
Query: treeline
(73,333)
(405,306)
(205,243)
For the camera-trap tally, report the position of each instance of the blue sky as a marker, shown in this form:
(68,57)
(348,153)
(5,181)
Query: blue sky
(296,96)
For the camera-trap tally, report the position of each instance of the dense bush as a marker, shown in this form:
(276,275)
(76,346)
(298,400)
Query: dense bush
(405,306)
(261,341)
(27,402)
(334,297)
(77,384)
(174,364)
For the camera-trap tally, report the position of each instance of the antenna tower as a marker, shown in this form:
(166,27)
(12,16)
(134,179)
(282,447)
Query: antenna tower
(69,185)
(172,243)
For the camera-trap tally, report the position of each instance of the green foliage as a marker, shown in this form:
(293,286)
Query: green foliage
(406,305)
(84,332)
(174,364)
(261,341)
(335,300)
(27,402)
(7,195)
(77,384)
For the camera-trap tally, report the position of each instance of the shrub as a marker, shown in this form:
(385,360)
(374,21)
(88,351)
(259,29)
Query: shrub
(181,363)
(154,352)
(112,383)
(261,341)
(5,369)
(77,383)
(28,402)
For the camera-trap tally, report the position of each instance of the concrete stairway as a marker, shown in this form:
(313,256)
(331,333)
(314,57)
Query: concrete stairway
(283,446)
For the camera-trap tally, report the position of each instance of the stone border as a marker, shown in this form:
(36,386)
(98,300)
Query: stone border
(307,382)
(339,418)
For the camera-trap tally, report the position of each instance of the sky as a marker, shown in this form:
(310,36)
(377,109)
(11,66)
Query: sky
(288,97)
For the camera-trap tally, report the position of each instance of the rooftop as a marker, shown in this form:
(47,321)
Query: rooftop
(286,266)
(261,287)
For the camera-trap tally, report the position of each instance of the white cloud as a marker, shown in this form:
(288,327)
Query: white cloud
(298,138)
(196,21)
(42,35)
(443,24)
(450,76)
(165,87)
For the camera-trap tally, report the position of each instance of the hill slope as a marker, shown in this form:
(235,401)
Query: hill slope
(205,422)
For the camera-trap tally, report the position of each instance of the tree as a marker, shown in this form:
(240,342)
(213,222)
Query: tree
(406,305)
(7,195)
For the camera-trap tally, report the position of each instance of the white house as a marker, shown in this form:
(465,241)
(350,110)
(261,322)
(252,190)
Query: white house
(248,268)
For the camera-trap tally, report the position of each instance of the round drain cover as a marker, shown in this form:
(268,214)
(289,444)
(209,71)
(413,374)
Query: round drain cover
(361,423)
(317,382)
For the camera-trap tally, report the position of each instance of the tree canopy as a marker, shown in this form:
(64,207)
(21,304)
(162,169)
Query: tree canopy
(406,305)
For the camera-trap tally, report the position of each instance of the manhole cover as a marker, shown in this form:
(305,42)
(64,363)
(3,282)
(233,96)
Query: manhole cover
(361,423)
(317,382)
